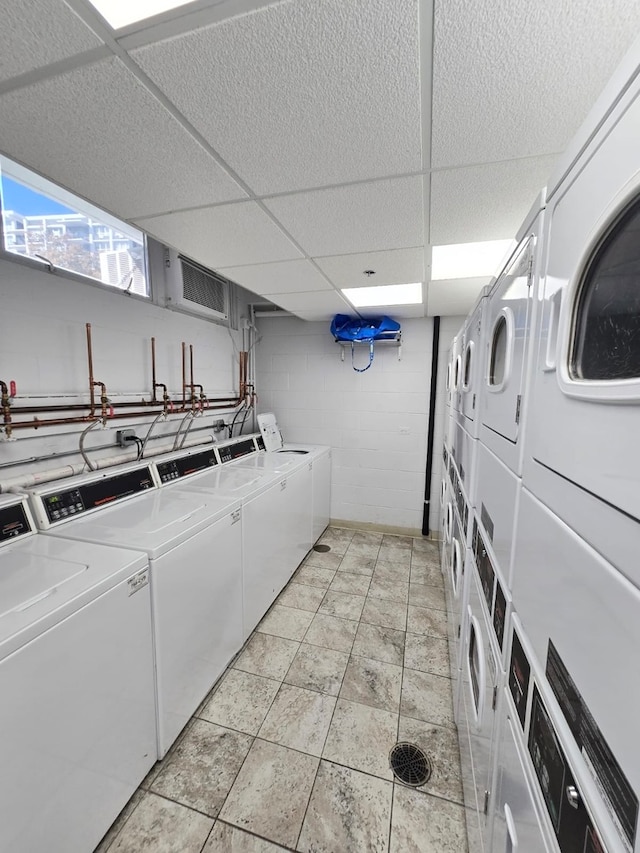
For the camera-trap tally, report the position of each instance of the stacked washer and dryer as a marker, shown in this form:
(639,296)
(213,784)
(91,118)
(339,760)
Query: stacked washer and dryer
(548,697)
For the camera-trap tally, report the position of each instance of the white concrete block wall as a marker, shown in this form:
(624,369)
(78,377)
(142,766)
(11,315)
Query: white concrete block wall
(375,421)
(43,349)
(449,327)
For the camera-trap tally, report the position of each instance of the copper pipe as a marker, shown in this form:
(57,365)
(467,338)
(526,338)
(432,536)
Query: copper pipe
(155,384)
(104,400)
(76,407)
(191,385)
(6,409)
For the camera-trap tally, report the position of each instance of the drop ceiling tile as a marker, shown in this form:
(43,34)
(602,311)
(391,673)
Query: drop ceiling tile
(104,136)
(224,236)
(517,79)
(284,277)
(301,94)
(36,33)
(455,296)
(315,316)
(398,266)
(321,300)
(487,202)
(360,218)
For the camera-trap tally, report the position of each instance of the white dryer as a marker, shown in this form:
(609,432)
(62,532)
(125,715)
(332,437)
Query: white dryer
(193,544)
(77,716)
(456,372)
(472,367)
(509,316)
(587,370)
(582,619)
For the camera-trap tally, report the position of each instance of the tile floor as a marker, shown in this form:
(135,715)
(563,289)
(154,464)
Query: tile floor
(290,749)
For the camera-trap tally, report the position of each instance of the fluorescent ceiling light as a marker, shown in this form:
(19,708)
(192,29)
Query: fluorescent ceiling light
(121,13)
(387,294)
(468,260)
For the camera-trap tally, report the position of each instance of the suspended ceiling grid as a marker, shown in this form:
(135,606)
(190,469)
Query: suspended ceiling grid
(293,145)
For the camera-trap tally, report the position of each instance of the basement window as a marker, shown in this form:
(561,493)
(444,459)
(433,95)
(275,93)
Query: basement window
(606,343)
(56,228)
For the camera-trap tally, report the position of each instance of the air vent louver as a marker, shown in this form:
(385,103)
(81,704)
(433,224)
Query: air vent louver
(203,287)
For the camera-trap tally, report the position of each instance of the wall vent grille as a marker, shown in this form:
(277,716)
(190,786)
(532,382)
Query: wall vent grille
(203,287)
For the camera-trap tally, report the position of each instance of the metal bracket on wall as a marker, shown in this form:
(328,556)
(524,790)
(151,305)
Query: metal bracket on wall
(395,341)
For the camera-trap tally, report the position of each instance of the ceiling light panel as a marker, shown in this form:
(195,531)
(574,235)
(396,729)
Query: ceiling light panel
(333,86)
(121,13)
(390,294)
(468,260)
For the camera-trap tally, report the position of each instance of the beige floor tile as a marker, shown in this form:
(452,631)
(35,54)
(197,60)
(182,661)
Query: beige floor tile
(348,812)
(357,565)
(427,575)
(391,572)
(324,560)
(369,550)
(203,767)
(391,590)
(367,537)
(351,583)
(299,719)
(162,826)
(342,604)
(287,622)
(300,596)
(361,737)
(424,824)
(424,620)
(331,632)
(391,554)
(421,595)
(241,701)
(393,540)
(425,546)
(388,614)
(267,655)
(441,745)
(314,576)
(427,697)
(428,654)
(271,792)
(316,668)
(378,643)
(372,683)
(225,838)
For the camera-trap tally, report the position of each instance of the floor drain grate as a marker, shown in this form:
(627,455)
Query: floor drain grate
(322,548)
(410,764)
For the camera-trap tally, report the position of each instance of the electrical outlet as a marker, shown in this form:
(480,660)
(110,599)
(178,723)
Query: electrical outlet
(124,437)
(218,425)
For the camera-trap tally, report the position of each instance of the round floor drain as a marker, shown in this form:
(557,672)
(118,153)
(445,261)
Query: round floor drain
(410,764)
(322,548)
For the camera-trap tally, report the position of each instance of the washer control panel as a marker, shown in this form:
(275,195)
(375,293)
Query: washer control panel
(175,469)
(13,522)
(237,450)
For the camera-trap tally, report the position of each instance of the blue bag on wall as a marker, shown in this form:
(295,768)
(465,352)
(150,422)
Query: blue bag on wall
(358,329)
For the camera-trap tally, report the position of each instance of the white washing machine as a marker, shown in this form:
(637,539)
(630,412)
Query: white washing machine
(509,315)
(587,370)
(582,619)
(276,526)
(456,373)
(319,458)
(472,367)
(77,716)
(544,799)
(482,678)
(497,492)
(456,592)
(193,543)
(464,453)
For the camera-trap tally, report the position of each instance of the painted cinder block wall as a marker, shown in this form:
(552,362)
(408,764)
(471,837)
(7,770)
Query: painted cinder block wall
(376,421)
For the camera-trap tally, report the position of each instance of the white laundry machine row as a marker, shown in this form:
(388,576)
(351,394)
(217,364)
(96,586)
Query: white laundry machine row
(581,618)
(193,544)
(276,499)
(77,716)
(483,649)
(587,367)
(456,373)
(472,366)
(544,800)
(510,313)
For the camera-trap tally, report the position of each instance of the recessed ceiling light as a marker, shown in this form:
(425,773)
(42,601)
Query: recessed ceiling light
(386,294)
(468,260)
(121,13)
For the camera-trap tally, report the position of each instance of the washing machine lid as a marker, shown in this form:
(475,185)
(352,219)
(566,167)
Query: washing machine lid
(155,522)
(234,481)
(279,463)
(43,579)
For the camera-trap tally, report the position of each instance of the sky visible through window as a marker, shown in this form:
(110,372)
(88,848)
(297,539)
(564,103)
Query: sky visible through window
(21,199)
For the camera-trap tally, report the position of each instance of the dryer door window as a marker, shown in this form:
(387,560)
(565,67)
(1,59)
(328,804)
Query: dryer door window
(606,339)
(498,363)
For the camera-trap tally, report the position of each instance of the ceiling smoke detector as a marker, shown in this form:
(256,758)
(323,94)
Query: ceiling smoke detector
(368,273)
